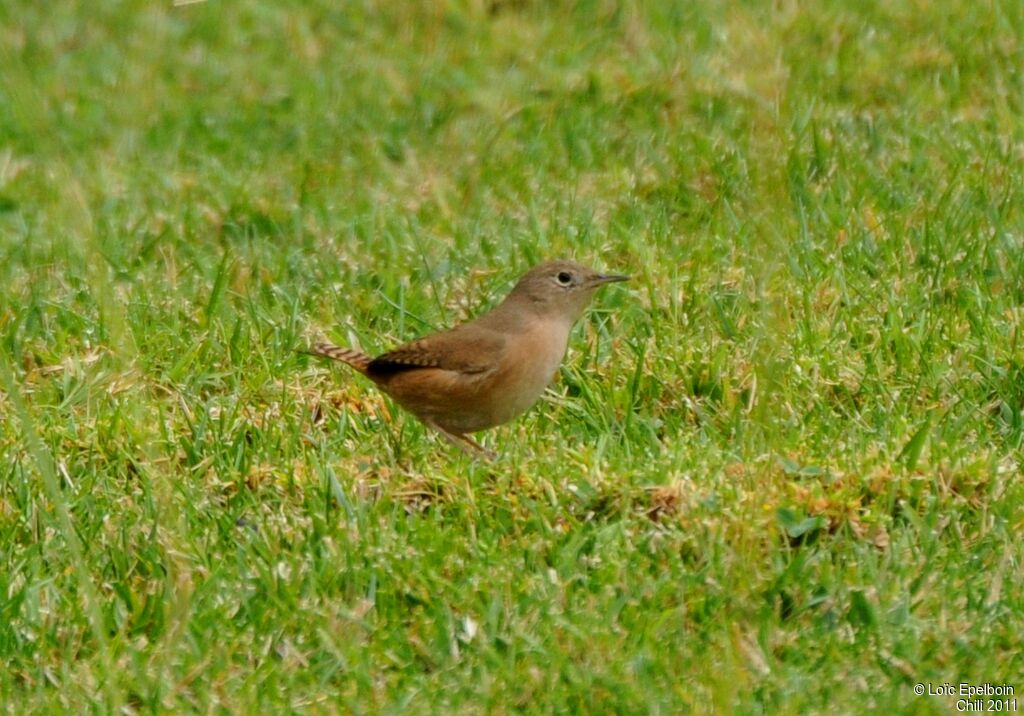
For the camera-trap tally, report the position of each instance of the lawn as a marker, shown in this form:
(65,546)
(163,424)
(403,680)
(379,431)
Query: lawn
(778,472)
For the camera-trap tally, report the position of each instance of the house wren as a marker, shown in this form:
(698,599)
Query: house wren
(491,369)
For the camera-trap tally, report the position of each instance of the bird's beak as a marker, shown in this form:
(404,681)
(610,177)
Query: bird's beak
(603,278)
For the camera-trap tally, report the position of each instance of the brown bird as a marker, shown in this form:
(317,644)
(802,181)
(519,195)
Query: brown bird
(487,371)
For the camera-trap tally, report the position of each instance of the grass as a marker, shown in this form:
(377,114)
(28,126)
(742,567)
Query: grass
(779,471)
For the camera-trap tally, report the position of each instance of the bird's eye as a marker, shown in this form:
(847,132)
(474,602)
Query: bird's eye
(564,278)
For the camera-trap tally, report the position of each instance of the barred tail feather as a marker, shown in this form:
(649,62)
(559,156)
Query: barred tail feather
(356,359)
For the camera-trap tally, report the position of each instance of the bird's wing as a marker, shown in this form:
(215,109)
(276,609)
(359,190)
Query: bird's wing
(464,349)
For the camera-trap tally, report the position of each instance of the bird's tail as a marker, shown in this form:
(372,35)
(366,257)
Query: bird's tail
(356,359)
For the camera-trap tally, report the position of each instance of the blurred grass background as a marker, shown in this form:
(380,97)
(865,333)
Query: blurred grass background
(780,470)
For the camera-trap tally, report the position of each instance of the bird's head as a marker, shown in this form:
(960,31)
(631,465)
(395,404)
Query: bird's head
(561,288)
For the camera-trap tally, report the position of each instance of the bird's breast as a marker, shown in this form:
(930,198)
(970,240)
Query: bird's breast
(529,366)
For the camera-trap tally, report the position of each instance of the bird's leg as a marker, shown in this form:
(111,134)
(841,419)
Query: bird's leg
(489,455)
(463,442)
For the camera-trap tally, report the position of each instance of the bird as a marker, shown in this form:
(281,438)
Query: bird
(489,370)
